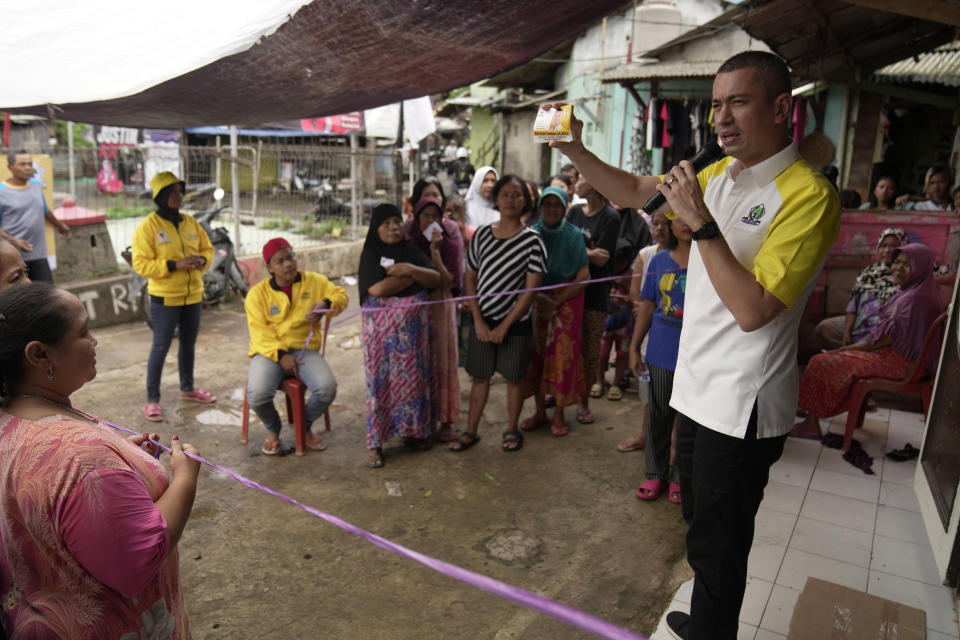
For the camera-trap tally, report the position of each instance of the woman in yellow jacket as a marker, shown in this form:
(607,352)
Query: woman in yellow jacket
(280,311)
(171,250)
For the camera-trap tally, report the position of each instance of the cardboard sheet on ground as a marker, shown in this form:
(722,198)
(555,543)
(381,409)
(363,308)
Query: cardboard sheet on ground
(828,611)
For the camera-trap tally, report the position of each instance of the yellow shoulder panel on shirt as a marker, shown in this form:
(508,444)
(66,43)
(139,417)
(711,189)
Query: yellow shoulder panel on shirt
(804,230)
(714,170)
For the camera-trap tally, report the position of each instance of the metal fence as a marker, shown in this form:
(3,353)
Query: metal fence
(310,194)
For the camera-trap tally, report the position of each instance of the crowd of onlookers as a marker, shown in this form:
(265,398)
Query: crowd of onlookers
(541,283)
(561,285)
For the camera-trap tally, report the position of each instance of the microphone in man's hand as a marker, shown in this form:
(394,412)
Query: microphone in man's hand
(710,153)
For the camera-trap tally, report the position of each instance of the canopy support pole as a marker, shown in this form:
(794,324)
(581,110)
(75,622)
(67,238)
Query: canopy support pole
(235,187)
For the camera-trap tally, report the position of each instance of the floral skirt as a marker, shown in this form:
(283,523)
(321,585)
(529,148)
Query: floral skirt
(398,361)
(829,377)
(446,356)
(556,360)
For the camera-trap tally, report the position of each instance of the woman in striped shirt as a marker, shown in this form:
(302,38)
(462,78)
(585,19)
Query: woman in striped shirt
(504,257)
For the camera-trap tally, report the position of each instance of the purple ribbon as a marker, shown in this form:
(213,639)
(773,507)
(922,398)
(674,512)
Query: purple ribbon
(574,617)
(350,314)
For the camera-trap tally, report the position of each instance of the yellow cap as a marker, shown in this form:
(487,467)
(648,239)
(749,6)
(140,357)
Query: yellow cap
(162,180)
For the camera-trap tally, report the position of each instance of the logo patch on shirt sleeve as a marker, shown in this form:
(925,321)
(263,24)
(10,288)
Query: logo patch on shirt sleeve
(162,237)
(274,310)
(754,215)
(305,295)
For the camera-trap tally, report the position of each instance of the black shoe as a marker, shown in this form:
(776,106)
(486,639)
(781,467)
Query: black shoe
(678,625)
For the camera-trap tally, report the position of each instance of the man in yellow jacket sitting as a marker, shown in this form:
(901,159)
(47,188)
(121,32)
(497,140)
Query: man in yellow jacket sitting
(280,312)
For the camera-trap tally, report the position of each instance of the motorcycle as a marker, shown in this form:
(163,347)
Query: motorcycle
(223,276)
(329,205)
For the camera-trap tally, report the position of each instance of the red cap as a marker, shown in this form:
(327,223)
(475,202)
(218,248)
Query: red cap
(273,246)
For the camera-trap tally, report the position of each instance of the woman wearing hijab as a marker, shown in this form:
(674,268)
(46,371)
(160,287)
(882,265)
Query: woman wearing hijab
(172,250)
(888,351)
(445,249)
(481,208)
(393,277)
(556,362)
(873,288)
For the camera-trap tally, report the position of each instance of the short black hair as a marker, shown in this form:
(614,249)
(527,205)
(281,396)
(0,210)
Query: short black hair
(565,179)
(942,169)
(12,156)
(512,177)
(872,197)
(850,199)
(28,312)
(421,185)
(772,70)
(535,196)
(570,167)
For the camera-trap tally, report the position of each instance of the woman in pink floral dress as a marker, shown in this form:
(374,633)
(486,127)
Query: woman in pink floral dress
(89,522)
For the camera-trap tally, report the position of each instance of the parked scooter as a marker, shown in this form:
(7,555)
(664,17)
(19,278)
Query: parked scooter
(223,276)
(328,204)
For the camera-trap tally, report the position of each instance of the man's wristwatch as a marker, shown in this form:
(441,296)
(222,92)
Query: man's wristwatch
(707,231)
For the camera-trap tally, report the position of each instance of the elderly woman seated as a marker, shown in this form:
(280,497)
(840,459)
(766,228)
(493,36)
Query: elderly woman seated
(888,350)
(873,288)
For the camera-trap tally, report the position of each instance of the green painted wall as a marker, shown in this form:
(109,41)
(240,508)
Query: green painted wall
(481,124)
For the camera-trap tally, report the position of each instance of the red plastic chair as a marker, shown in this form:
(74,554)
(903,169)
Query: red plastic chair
(295,392)
(916,383)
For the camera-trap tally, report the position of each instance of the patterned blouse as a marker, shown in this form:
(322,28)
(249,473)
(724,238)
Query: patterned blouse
(84,552)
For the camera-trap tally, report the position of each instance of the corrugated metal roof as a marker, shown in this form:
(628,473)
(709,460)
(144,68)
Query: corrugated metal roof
(940,66)
(651,70)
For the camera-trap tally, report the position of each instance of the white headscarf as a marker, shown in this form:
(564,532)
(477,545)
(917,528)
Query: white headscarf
(479,209)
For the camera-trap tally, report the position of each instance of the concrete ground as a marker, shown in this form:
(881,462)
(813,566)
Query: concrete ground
(558,517)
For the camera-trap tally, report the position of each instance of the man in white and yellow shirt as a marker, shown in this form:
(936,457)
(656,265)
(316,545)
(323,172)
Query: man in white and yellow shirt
(763,221)
(280,312)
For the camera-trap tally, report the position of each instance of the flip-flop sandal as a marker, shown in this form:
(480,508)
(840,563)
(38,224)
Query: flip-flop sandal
(270,448)
(796,432)
(650,490)
(463,445)
(512,437)
(596,391)
(153,412)
(199,396)
(374,460)
(533,423)
(417,443)
(584,416)
(633,443)
(909,452)
(615,393)
(314,442)
(673,494)
(446,434)
(558,429)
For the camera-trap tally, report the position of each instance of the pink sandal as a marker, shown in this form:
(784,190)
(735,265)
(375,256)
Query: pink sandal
(651,489)
(198,395)
(153,412)
(673,495)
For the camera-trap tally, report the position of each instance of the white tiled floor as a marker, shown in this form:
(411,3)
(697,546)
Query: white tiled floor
(823,517)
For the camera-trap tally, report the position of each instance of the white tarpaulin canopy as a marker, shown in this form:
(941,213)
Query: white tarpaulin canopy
(71,51)
(179,64)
